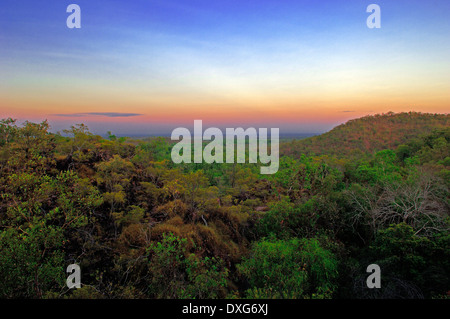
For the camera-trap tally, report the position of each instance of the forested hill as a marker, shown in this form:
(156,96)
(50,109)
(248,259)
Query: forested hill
(143,227)
(368,134)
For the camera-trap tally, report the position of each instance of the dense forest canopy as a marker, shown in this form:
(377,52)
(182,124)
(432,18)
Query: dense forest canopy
(371,191)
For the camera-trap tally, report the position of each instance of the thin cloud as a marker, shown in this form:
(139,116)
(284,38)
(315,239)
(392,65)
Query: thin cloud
(107,114)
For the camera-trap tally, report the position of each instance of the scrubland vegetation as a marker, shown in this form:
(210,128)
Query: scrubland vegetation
(371,191)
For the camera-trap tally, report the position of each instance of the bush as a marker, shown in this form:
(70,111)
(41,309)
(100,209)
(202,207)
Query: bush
(176,273)
(296,268)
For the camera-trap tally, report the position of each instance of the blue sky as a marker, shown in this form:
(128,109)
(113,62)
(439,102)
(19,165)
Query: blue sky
(299,65)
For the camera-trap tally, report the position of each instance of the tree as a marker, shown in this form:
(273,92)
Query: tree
(295,268)
(31,261)
(419,202)
(176,273)
(115,175)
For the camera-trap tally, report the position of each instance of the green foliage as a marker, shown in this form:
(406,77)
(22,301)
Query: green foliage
(374,190)
(382,169)
(296,268)
(176,273)
(31,261)
(282,220)
(402,254)
(399,244)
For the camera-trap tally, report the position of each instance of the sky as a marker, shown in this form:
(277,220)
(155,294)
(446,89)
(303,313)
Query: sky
(145,67)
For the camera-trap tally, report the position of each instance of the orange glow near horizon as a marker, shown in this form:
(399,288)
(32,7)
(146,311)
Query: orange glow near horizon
(330,103)
(326,112)
(289,109)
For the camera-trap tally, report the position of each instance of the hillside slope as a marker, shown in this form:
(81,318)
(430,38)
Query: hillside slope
(368,134)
